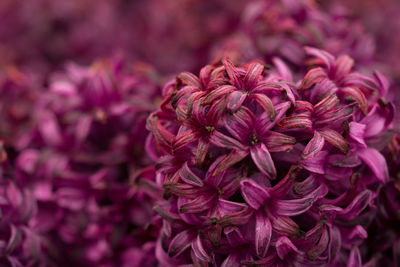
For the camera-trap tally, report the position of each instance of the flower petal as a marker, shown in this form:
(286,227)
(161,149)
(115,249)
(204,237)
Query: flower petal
(253,193)
(357,131)
(234,157)
(278,142)
(293,207)
(235,100)
(354,258)
(199,250)
(218,92)
(266,103)
(179,244)
(376,163)
(189,177)
(335,139)
(284,246)
(312,77)
(253,74)
(314,146)
(221,140)
(299,121)
(262,158)
(358,96)
(232,72)
(263,233)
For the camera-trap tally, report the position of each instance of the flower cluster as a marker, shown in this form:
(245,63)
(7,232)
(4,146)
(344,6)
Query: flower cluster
(258,169)
(281,28)
(283,151)
(81,169)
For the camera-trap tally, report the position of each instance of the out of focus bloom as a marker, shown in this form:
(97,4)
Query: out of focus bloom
(281,28)
(260,169)
(82,167)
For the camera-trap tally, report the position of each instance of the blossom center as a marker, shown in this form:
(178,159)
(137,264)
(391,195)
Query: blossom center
(254,140)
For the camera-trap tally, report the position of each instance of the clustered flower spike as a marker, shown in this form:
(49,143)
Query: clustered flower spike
(283,151)
(281,28)
(258,169)
(80,170)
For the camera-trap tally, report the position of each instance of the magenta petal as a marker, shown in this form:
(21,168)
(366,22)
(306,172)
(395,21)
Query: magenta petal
(293,207)
(229,160)
(354,258)
(232,72)
(266,103)
(184,139)
(180,242)
(235,100)
(221,140)
(315,163)
(262,158)
(335,139)
(14,240)
(234,236)
(253,74)
(253,193)
(376,162)
(263,233)
(232,260)
(199,250)
(216,93)
(357,131)
(284,246)
(335,243)
(315,145)
(326,57)
(189,177)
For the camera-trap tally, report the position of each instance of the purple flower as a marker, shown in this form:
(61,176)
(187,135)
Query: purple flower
(280,172)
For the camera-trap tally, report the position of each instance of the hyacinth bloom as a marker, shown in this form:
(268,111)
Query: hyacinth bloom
(82,163)
(281,28)
(258,169)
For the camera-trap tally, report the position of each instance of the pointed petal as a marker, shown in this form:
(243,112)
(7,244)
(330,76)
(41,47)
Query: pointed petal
(199,204)
(312,77)
(354,258)
(218,92)
(232,72)
(314,146)
(199,250)
(335,139)
(201,151)
(335,243)
(180,243)
(326,57)
(376,163)
(284,246)
(315,163)
(253,193)
(221,140)
(283,69)
(235,100)
(262,158)
(188,78)
(253,74)
(284,185)
(326,105)
(232,158)
(232,260)
(344,64)
(189,177)
(278,142)
(266,103)
(357,131)
(285,226)
(293,207)
(358,96)
(299,121)
(263,233)
(184,139)
(234,236)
